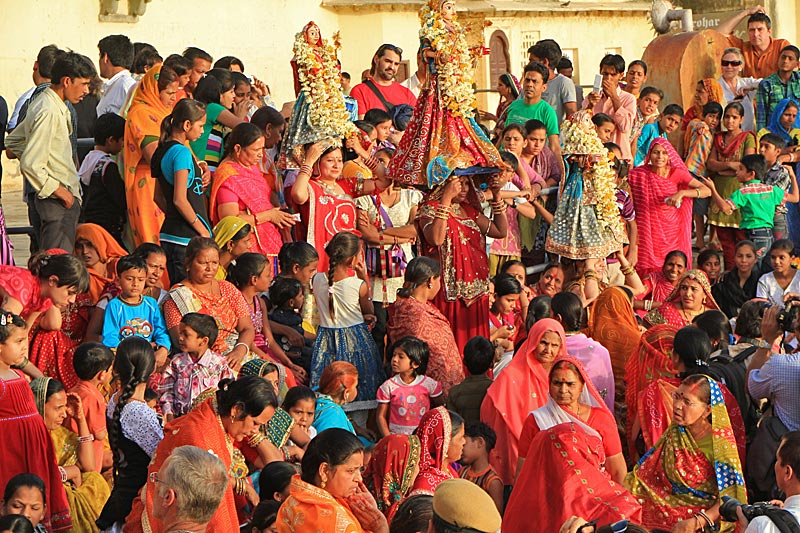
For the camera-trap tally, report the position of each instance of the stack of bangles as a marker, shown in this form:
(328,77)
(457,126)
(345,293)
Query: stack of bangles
(443,212)
(706,520)
(256,438)
(648,305)
(85,438)
(498,207)
(372,162)
(305,169)
(63,473)
(239,486)
(590,274)
(627,271)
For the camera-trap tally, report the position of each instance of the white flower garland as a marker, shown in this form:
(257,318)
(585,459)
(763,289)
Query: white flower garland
(455,76)
(319,80)
(581,138)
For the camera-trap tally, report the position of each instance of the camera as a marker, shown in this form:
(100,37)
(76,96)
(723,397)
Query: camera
(727,511)
(787,317)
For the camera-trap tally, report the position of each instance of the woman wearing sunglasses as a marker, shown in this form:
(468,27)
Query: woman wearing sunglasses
(734,87)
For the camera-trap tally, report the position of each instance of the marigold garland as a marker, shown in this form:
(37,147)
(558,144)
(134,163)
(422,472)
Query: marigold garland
(318,73)
(454,76)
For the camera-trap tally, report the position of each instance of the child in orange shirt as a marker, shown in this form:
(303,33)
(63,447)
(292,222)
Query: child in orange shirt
(92,363)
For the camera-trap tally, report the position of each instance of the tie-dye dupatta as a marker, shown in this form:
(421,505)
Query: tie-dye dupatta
(679,477)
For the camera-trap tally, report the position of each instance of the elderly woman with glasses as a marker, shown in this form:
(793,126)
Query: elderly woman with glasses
(681,480)
(736,88)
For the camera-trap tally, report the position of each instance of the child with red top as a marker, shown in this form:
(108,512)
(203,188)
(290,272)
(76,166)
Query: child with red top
(92,363)
(409,393)
(480,440)
(27,447)
(503,323)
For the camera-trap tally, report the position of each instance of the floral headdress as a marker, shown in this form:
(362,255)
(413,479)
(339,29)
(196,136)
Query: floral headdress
(580,138)
(455,76)
(318,73)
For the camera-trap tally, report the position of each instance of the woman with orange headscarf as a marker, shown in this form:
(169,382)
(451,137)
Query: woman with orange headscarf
(707,90)
(100,251)
(522,387)
(152,101)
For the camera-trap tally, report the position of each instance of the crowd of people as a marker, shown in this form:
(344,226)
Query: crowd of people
(385,310)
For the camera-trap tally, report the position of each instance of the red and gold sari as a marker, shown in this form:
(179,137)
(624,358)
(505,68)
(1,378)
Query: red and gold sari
(389,474)
(253,192)
(670,313)
(143,124)
(464,298)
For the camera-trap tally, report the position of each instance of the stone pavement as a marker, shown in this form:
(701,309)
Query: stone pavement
(14,209)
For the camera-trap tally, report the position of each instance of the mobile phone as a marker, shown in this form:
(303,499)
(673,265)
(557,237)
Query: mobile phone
(598,83)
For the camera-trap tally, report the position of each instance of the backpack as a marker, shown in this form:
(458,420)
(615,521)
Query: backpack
(400,113)
(733,374)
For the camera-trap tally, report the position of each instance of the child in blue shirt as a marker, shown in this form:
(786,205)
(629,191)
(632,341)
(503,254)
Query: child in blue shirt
(133,314)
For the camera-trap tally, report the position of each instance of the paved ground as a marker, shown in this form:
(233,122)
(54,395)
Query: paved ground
(14,209)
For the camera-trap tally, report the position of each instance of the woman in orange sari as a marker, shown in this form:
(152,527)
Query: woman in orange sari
(100,251)
(522,387)
(222,424)
(240,189)
(612,323)
(152,101)
(329,495)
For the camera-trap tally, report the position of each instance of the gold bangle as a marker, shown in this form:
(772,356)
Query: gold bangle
(698,192)
(628,271)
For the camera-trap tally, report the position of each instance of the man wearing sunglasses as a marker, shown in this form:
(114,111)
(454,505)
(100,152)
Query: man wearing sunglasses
(761,52)
(380,88)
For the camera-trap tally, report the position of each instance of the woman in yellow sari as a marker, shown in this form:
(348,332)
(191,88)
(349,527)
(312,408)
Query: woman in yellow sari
(86,489)
(152,101)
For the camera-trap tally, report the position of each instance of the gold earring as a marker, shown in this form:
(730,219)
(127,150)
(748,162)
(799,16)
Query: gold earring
(232,419)
(322,485)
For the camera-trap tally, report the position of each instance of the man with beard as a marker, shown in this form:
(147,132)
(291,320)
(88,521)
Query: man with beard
(384,67)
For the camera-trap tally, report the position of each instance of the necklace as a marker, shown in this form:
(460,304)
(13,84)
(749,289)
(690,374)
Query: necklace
(687,316)
(181,531)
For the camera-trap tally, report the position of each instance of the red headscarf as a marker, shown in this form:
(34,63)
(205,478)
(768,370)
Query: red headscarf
(521,387)
(434,432)
(388,474)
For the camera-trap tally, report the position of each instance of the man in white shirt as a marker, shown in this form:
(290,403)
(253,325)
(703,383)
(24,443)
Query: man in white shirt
(417,80)
(787,468)
(42,144)
(116,59)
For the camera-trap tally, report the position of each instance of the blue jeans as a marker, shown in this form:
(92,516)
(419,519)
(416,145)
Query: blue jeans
(762,238)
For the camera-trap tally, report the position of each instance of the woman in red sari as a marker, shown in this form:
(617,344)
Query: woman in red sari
(58,334)
(689,299)
(660,284)
(414,314)
(662,188)
(651,360)
(453,231)
(325,200)
(521,388)
(441,438)
(392,471)
(579,480)
(240,189)
(221,424)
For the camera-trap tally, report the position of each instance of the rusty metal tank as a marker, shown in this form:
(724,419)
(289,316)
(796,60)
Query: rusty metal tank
(676,62)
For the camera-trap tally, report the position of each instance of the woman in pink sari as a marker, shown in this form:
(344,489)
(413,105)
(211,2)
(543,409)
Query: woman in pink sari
(441,439)
(521,388)
(241,189)
(662,188)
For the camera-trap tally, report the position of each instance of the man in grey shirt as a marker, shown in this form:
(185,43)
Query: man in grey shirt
(560,91)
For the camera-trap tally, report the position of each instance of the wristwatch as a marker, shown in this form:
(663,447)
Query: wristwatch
(764,344)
